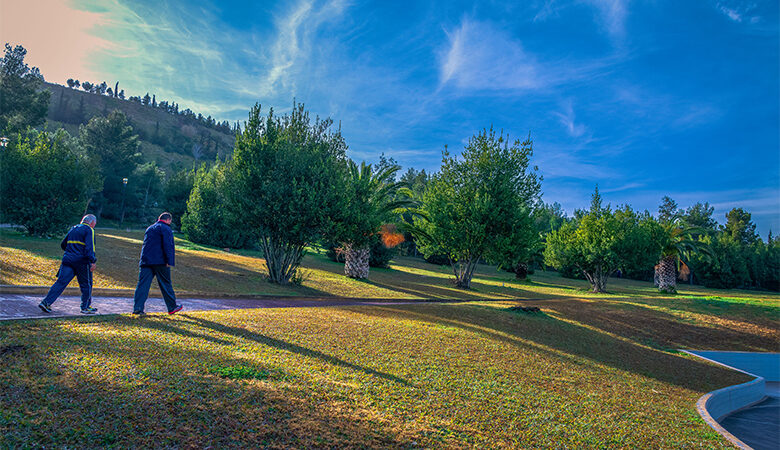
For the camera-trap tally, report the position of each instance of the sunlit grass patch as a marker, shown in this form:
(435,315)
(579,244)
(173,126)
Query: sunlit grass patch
(472,374)
(204,270)
(240,372)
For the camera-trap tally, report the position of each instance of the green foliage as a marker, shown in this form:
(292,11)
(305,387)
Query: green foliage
(598,244)
(700,216)
(286,184)
(176,193)
(740,227)
(240,372)
(549,217)
(640,246)
(23,102)
(144,189)
(111,142)
(480,206)
(44,182)
(380,255)
(736,264)
(371,200)
(667,210)
(207,220)
(416,183)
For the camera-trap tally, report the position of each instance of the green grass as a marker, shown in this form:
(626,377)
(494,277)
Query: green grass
(204,270)
(466,375)
(588,371)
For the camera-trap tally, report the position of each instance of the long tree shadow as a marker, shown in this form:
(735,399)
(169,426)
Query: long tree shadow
(569,339)
(290,347)
(45,402)
(643,323)
(715,307)
(152,323)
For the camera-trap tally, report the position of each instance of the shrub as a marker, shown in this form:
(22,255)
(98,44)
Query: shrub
(207,220)
(44,182)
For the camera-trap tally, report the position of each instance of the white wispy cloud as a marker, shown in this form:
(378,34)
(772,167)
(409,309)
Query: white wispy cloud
(623,187)
(483,57)
(611,15)
(296,31)
(738,12)
(567,119)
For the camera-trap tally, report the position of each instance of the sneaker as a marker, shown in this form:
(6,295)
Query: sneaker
(44,307)
(139,313)
(176,309)
(89,311)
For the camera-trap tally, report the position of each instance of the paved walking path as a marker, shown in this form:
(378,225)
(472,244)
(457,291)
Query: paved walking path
(19,306)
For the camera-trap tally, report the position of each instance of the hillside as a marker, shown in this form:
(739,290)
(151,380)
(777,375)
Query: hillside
(167,139)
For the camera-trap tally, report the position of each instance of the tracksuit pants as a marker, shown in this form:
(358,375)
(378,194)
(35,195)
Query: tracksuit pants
(145,276)
(65,276)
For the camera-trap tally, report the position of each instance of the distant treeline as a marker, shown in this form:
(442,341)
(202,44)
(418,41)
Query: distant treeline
(170,107)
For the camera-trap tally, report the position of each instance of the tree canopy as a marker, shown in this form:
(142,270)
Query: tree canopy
(45,181)
(479,206)
(286,184)
(23,101)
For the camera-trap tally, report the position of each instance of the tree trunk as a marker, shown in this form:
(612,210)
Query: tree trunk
(282,259)
(356,261)
(667,274)
(464,271)
(598,280)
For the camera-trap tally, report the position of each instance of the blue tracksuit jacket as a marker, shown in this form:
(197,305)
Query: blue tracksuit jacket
(79,246)
(158,246)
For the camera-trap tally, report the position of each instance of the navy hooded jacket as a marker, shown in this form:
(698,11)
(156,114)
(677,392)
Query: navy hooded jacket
(79,245)
(158,246)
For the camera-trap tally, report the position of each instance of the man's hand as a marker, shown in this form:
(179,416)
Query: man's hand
(92,267)
(167,265)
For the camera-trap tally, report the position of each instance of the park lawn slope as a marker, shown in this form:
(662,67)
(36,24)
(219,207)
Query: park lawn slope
(431,375)
(202,270)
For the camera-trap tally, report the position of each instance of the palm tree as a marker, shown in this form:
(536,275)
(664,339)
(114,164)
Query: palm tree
(374,202)
(678,241)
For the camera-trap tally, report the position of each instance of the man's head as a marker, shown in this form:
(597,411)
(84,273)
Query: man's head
(90,220)
(165,217)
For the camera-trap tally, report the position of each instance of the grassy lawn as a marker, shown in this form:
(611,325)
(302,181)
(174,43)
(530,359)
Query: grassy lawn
(471,374)
(589,371)
(204,270)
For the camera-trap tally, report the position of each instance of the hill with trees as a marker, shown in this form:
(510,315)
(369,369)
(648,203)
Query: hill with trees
(168,136)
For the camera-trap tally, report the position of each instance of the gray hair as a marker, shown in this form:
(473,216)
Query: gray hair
(89,218)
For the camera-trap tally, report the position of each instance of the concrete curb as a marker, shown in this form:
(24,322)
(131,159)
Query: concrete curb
(728,400)
(714,406)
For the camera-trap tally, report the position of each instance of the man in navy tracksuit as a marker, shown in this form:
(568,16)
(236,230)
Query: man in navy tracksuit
(157,258)
(78,261)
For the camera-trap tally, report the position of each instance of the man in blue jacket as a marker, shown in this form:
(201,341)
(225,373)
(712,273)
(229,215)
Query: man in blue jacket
(78,261)
(157,258)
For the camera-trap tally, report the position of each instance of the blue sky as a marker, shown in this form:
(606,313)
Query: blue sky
(644,98)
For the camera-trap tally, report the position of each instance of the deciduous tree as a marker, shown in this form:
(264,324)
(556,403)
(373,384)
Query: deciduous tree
(479,206)
(286,184)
